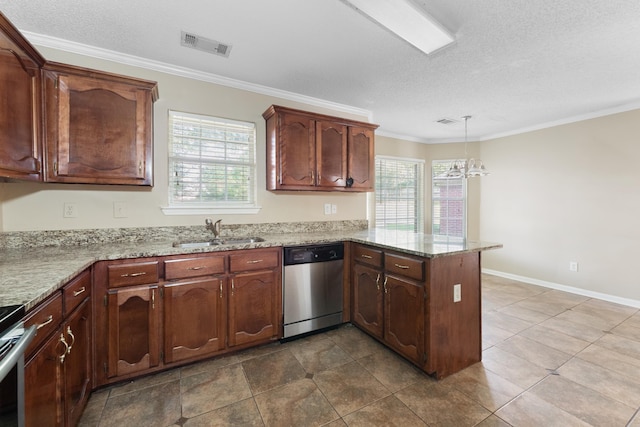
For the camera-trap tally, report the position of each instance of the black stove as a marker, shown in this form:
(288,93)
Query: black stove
(10,315)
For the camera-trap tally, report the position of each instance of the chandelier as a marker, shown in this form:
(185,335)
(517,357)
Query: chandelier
(466,168)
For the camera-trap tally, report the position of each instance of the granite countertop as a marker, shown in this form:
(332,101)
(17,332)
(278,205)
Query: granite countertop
(28,275)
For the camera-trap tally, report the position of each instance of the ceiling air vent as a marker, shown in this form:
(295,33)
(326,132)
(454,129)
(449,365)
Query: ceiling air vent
(206,45)
(446,121)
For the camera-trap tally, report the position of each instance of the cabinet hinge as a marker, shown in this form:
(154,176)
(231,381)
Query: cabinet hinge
(105,301)
(104,368)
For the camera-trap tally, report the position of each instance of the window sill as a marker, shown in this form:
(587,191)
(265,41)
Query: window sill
(217,210)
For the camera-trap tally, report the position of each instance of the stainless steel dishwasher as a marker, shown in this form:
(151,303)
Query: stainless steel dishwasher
(312,287)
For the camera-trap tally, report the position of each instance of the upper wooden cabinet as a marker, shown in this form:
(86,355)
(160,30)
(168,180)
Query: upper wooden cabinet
(20,114)
(98,127)
(308,151)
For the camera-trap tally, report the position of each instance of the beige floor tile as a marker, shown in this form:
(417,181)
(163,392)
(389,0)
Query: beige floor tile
(492,335)
(582,402)
(93,411)
(555,339)
(353,341)
(389,412)
(208,365)
(207,391)
(442,405)
(391,370)
(611,311)
(349,387)
(485,387)
(621,345)
(144,382)
(505,321)
(493,421)
(576,330)
(611,359)
(152,406)
(535,352)
(244,413)
(296,404)
(633,321)
(260,351)
(588,319)
(272,370)
(628,331)
(519,371)
(615,385)
(319,355)
(529,410)
(525,314)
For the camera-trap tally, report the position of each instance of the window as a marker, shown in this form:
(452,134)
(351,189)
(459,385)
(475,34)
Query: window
(212,164)
(399,201)
(448,202)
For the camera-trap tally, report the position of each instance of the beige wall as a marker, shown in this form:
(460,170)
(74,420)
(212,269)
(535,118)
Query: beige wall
(27,206)
(567,193)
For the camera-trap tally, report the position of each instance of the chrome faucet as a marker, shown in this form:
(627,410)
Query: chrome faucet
(214,227)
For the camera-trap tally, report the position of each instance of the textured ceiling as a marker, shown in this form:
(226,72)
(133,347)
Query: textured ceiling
(515,65)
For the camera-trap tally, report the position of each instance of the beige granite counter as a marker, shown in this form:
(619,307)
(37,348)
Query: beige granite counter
(29,274)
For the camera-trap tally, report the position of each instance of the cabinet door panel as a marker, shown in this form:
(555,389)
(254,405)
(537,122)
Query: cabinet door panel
(43,384)
(133,330)
(331,149)
(253,307)
(297,150)
(361,157)
(367,299)
(77,382)
(404,317)
(193,318)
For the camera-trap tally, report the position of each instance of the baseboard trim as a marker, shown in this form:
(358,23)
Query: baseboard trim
(606,297)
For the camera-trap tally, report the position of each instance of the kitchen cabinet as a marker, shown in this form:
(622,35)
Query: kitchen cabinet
(20,104)
(407,302)
(98,126)
(388,301)
(58,368)
(152,313)
(314,152)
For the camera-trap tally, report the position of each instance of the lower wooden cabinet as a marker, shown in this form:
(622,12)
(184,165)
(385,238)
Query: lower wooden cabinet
(133,329)
(368,308)
(58,373)
(194,318)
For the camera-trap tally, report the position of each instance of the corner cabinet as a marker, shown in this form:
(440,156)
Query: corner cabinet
(314,152)
(98,126)
(407,303)
(20,105)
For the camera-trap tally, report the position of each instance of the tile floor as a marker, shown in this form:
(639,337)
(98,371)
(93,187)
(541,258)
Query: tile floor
(550,359)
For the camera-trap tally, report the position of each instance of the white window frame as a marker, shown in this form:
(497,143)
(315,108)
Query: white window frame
(438,178)
(177,207)
(419,205)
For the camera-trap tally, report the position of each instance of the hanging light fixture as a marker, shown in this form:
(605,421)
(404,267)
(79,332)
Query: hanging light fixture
(466,168)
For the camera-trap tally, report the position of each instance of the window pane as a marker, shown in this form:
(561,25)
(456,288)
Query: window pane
(448,202)
(398,195)
(211,160)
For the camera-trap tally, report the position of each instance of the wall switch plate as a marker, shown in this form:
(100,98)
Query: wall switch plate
(334,209)
(70,210)
(327,208)
(120,210)
(573,266)
(457,292)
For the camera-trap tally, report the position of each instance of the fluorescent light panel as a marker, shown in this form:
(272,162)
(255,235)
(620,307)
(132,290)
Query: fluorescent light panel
(404,19)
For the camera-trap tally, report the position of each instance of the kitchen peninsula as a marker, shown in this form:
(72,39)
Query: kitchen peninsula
(417,294)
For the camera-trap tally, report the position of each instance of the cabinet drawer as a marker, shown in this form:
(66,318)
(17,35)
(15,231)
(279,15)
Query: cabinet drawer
(47,317)
(76,291)
(139,273)
(404,266)
(367,255)
(253,260)
(193,267)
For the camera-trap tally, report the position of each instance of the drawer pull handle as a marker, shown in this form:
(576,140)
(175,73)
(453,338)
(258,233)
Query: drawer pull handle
(142,273)
(46,322)
(79,291)
(196,268)
(386,291)
(73,339)
(66,348)
(220,288)
(366,256)
(378,282)
(254,261)
(404,267)
(233,287)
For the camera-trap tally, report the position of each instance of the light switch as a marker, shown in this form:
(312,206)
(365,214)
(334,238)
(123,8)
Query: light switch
(457,292)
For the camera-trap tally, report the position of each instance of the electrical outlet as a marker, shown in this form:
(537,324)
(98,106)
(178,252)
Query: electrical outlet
(457,292)
(334,209)
(70,210)
(573,266)
(120,210)
(327,208)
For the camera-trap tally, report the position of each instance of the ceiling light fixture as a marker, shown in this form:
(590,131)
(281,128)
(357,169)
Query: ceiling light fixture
(403,18)
(466,168)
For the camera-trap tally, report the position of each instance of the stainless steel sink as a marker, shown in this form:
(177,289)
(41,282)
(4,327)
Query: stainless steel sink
(217,242)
